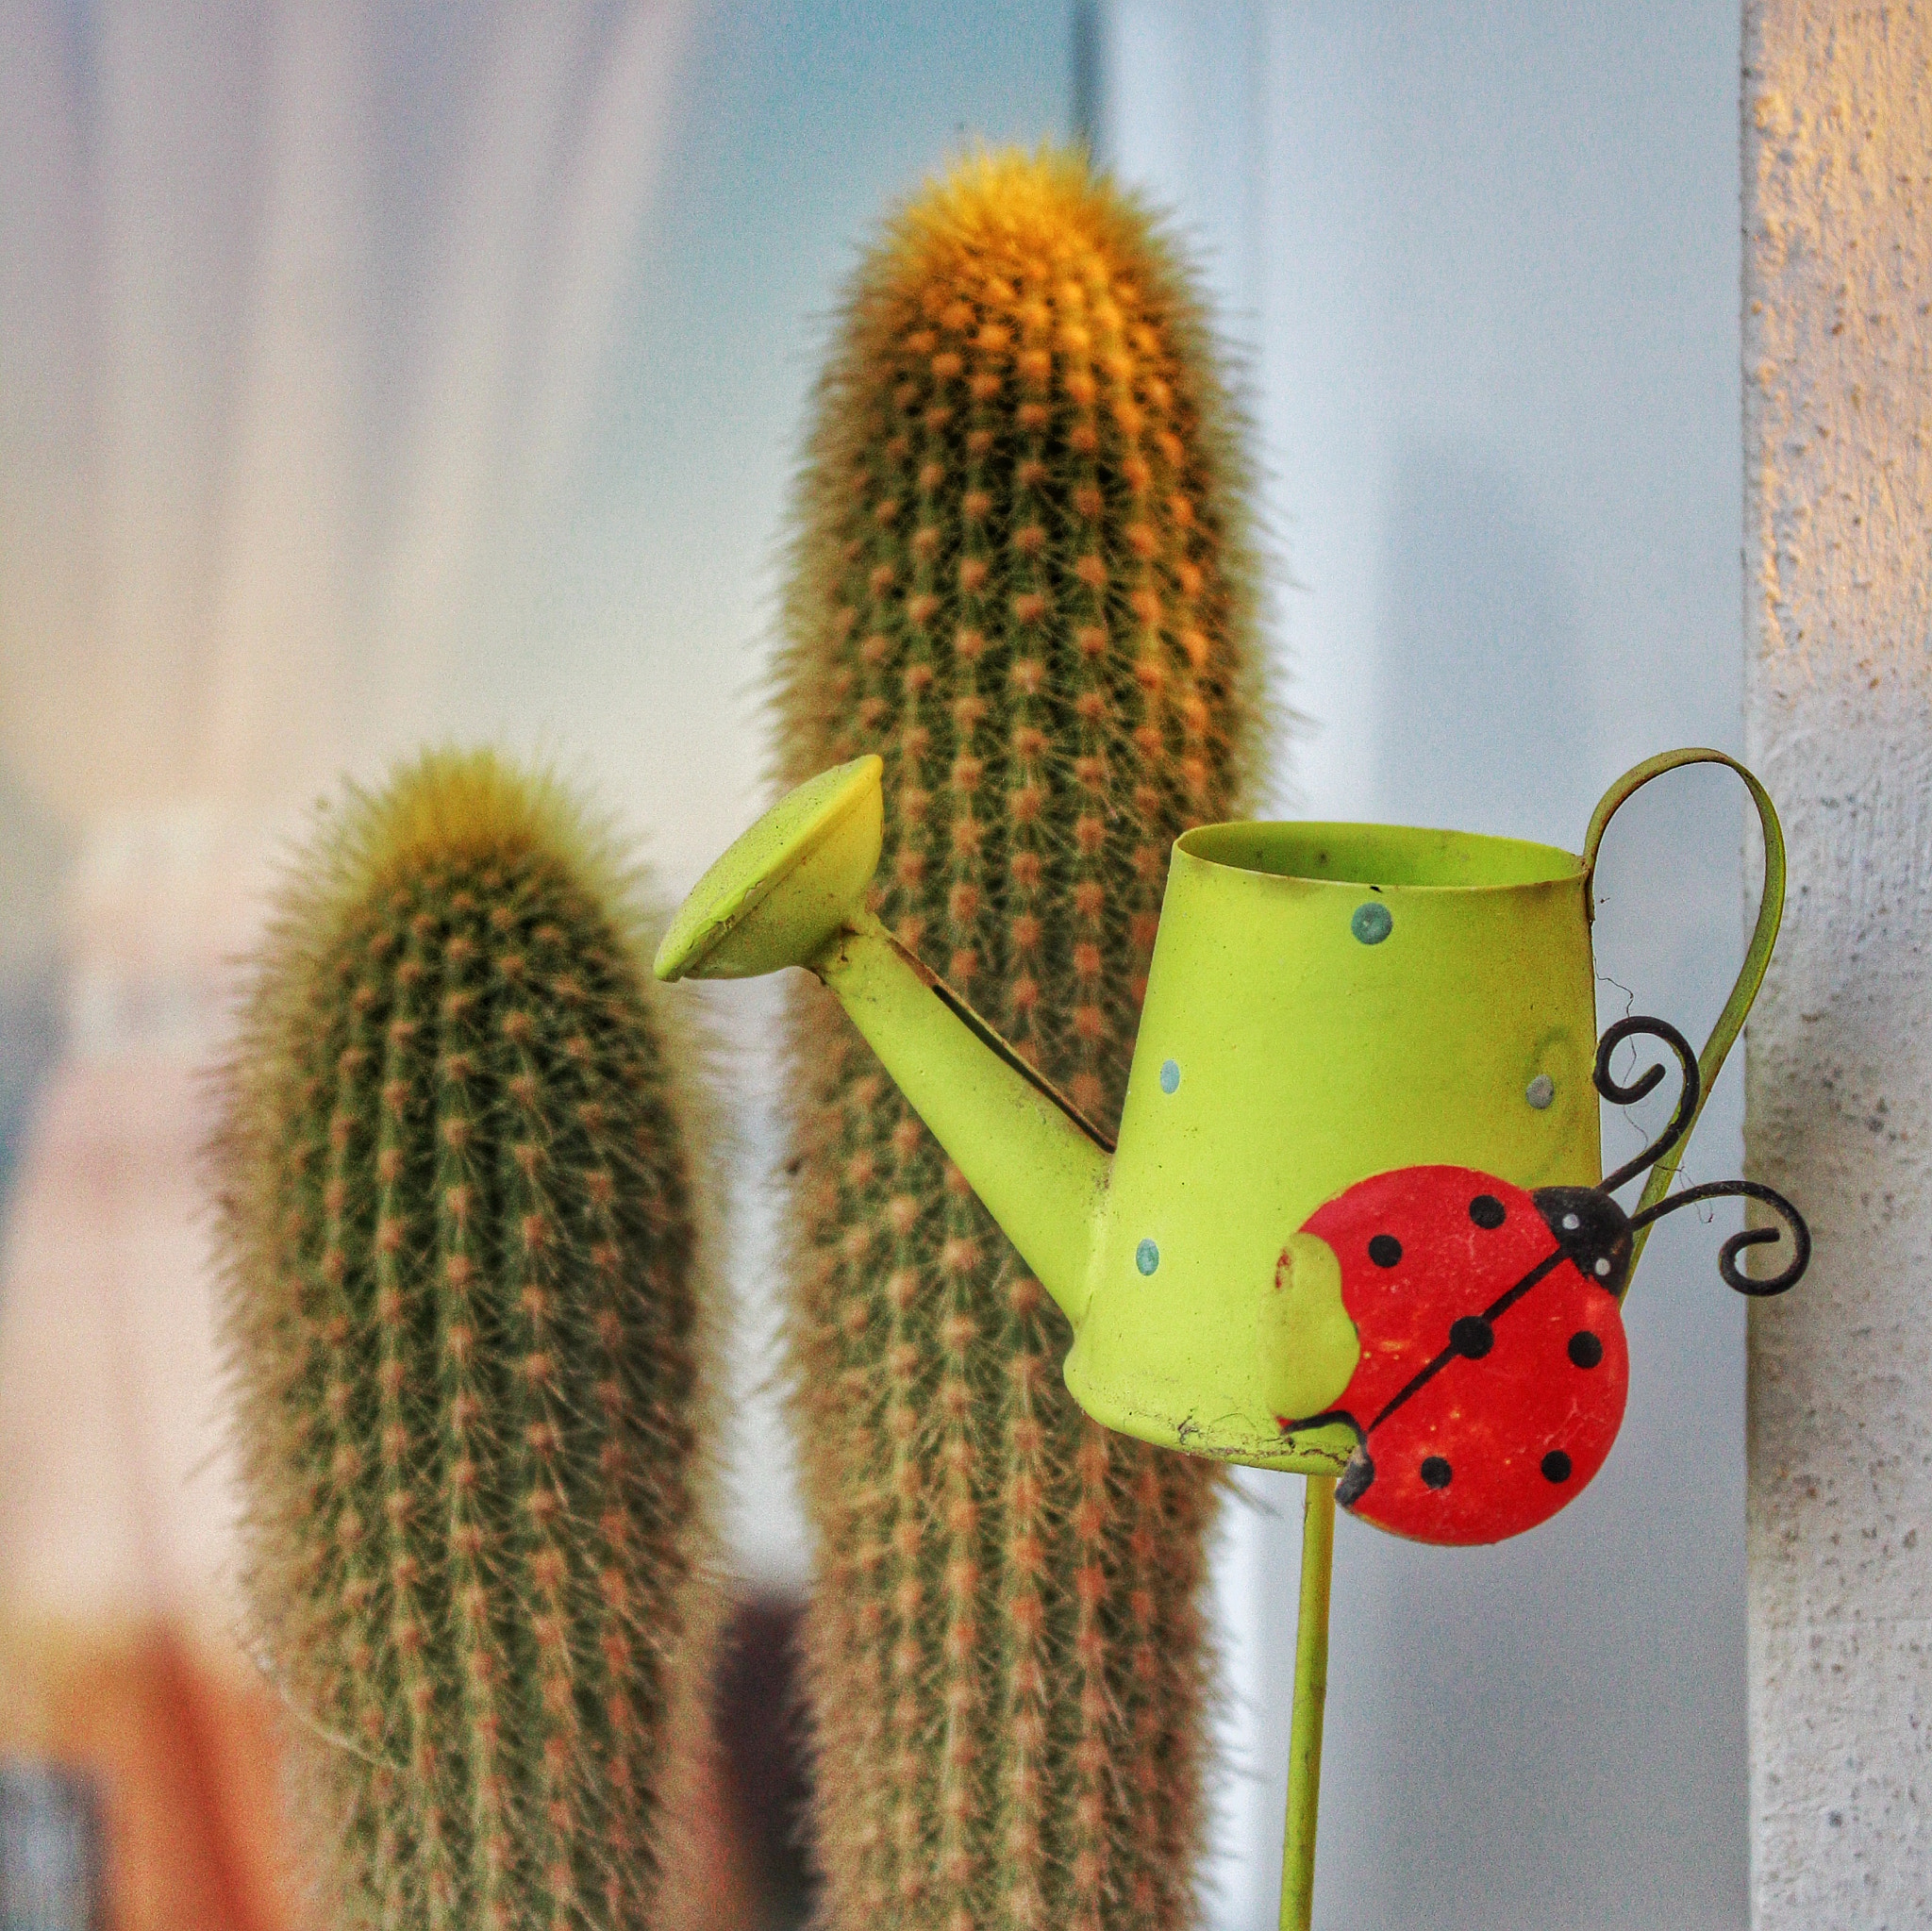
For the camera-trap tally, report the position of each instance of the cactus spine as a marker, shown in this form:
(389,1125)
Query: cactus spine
(1020,574)
(461,1219)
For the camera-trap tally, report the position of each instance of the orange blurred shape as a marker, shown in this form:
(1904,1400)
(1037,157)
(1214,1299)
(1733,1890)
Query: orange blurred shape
(182,1756)
(182,1747)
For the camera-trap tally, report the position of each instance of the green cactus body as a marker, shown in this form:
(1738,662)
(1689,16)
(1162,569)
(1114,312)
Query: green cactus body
(1021,575)
(464,1233)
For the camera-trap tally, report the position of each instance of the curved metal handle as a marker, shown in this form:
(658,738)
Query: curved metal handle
(1770,905)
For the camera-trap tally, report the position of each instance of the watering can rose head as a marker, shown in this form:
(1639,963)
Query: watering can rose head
(1356,1221)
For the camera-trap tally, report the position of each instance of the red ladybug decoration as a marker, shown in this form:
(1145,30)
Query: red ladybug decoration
(1493,1366)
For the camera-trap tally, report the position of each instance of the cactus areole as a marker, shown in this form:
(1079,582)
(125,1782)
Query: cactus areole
(462,1228)
(1021,575)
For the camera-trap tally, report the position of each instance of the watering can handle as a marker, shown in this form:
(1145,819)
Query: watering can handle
(1770,905)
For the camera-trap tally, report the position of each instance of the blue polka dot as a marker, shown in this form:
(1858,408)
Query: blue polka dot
(1146,1257)
(1170,1076)
(1372,922)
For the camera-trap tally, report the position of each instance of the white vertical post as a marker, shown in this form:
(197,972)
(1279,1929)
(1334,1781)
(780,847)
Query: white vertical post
(1837,464)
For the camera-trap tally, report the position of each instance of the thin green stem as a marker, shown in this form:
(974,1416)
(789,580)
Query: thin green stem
(1311,1698)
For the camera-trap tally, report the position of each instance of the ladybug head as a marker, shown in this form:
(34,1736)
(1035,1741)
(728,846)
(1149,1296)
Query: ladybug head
(1590,1228)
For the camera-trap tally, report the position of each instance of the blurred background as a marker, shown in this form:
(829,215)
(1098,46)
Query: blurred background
(375,373)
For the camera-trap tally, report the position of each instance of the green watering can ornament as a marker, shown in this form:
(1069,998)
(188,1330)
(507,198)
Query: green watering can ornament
(1355,1224)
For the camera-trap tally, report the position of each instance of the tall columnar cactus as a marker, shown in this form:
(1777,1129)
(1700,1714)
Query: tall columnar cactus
(461,1214)
(1022,576)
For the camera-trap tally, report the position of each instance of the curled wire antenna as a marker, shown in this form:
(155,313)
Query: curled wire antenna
(1734,1276)
(1646,1082)
(1619,1094)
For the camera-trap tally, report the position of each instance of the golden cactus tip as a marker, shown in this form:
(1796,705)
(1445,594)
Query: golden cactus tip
(461,1216)
(1022,573)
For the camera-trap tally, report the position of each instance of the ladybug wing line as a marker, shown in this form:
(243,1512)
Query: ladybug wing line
(1493,1313)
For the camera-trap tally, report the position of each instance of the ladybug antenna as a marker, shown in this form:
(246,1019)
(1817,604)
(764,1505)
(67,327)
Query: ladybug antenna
(1620,1095)
(1727,1266)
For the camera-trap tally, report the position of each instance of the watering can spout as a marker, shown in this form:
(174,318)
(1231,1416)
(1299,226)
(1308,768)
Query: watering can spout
(791,891)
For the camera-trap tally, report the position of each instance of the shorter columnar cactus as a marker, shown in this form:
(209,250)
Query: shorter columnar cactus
(462,1225)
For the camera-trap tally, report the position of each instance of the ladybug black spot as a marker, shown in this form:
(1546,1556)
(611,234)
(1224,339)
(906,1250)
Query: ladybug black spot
(1486,1210)
(1472,1336)
(1555,1465)
(1435,1471)
(1384,1250)
(1584,1348)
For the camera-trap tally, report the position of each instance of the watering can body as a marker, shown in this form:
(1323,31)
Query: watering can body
(1325,1003)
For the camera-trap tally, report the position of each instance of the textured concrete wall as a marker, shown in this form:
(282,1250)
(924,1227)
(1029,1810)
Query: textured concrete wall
(1838,438)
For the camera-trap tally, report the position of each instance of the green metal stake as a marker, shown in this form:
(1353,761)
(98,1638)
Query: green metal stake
(1311,1698)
